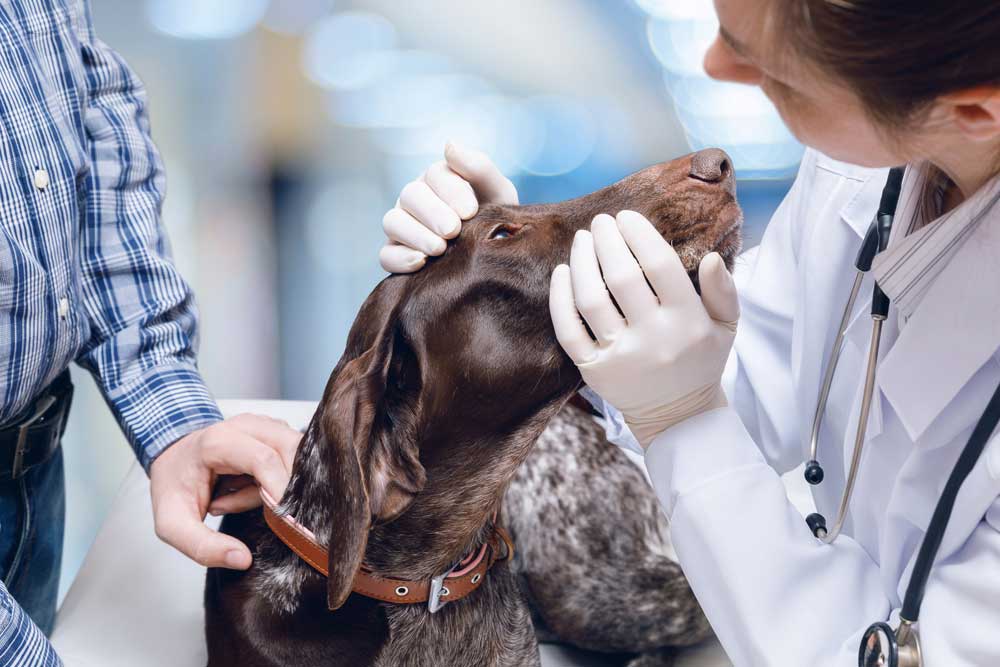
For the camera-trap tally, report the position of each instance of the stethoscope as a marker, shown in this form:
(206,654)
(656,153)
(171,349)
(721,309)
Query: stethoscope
(881,645)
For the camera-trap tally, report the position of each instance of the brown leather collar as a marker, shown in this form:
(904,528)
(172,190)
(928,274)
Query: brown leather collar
(449,586)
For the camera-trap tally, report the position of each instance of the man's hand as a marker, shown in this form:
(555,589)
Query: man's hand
(183,477)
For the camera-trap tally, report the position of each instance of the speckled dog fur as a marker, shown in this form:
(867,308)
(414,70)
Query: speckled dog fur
(594,558)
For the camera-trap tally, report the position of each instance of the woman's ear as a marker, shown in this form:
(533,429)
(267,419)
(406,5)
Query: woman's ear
(976,112)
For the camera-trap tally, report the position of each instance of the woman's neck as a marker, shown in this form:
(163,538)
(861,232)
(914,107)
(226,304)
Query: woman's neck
(969,166)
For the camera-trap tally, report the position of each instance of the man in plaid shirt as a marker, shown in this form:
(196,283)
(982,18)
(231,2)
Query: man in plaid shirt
(86,275)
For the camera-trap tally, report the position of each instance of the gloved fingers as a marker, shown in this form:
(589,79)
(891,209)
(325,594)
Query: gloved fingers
(453,190)
(589,291)
(403,228)
(396,258)
(659,262)
(718,291)
(474,166)
(570,331)
(622,273)
(422,203)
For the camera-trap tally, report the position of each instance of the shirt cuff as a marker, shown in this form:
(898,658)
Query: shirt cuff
(20,639)
(696,451)
(161,406)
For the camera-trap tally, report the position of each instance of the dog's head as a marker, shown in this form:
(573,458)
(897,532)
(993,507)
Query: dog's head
(450,374)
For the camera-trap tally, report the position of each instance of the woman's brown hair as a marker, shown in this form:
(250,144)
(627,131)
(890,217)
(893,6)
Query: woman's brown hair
(898,55)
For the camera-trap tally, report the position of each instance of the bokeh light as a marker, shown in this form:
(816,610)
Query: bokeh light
(292,17)
(737,118)
(349,50)
(196,19)
(343,226)
(564,133)
(677,9)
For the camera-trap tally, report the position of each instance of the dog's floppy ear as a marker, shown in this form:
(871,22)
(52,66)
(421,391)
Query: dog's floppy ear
(373,475)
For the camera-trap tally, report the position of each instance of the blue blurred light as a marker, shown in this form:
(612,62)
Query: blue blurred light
(343,230)
(680,45)
(489,122)
(735,117)
(197,19)
(349,50)
(560,131)
(292,17)
(678,9)
(409,101)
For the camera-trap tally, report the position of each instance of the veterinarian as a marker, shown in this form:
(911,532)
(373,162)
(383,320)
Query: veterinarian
(874,83)
(86,275)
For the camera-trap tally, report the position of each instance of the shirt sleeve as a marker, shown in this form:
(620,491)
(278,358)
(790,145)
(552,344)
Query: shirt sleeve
(21,642)
(141,311)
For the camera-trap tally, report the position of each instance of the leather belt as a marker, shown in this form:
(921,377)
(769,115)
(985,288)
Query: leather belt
(449,586)
(35,435)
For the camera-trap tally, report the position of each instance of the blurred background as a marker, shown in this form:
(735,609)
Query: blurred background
(288,128)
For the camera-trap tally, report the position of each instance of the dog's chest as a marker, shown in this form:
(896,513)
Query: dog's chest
(491,629)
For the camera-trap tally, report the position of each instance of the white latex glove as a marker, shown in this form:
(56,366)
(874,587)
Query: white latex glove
(431,209)
(662,362)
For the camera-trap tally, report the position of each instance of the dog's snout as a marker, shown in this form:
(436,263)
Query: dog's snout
(711,165)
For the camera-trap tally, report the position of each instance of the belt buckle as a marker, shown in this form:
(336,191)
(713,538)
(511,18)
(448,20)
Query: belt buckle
(21,448)
(438,590)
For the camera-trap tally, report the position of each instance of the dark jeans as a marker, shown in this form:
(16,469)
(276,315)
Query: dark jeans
(32,512)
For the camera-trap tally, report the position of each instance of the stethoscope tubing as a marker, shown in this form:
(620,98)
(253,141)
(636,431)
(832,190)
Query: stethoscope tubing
(859,438)
(831,368)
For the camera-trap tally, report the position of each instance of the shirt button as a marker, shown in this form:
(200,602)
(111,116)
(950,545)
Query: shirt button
(63,307)
(41,179)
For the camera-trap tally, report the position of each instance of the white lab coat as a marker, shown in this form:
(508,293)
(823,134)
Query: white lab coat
(774,594)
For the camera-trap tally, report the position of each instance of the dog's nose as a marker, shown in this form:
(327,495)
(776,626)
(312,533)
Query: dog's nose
(711,165)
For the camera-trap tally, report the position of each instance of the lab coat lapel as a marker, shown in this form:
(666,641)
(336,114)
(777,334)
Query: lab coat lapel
(931,362)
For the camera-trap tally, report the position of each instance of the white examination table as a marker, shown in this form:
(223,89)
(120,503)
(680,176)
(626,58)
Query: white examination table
(136,601)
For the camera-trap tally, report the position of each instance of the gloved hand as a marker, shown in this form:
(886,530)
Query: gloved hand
(662,362)
(431,209)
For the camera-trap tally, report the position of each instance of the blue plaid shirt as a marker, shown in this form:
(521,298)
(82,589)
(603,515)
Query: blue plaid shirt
(85,267)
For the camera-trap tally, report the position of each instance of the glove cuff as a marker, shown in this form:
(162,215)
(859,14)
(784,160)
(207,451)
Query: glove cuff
(647,426)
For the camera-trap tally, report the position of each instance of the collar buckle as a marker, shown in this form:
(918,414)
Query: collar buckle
(438,590)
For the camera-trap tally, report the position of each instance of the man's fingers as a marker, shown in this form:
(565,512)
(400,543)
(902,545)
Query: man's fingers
(474,166)
(591,295)
(180,524)
(453,190)
(398,258)
(236,453)
(403,228)
(661,265)
(570,331)
(276,434)
(718,291)
(622,274)
(245,499)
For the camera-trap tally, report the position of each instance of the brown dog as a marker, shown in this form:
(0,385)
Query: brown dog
(449,378)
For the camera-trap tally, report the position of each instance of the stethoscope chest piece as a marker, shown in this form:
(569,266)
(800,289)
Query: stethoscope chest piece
(882,646)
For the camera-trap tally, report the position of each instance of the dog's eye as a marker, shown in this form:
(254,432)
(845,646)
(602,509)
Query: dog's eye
(504,231)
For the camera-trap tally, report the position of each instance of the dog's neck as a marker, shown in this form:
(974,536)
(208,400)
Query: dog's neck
(449,518)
